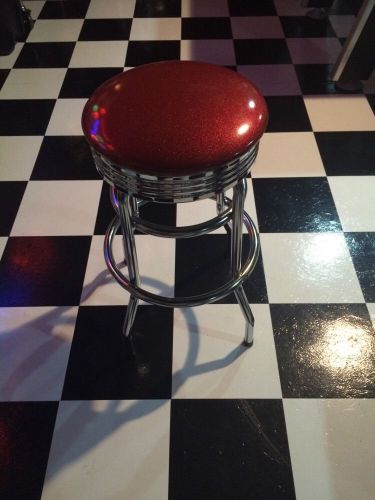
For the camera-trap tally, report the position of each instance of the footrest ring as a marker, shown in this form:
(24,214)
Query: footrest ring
(191,301)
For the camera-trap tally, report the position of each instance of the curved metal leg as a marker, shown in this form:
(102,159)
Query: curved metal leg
(246,310)
(130,315)
(113,198)
(239,193)
(221,207)
(125,206)
(220,203)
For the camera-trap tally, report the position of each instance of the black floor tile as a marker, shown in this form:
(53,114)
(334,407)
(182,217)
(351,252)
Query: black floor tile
(64,9)
(105,29)
(3,76)
(251,8)
(25,434)
(43,270)
(221,449)
(371,101)
(105,365)
(203,264)
(81,82)
(11,194)
(315,78)
(264,51)
(64,158)
(161,8)
(324,350)
(295,205)
(304,26)
(45,55)
(159,213)
(206,28)
(287,114)
(347,153)
(362,250)
(146,52)
(25,116)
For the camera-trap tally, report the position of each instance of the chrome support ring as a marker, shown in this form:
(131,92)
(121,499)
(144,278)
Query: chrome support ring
(191,301)
(153,229)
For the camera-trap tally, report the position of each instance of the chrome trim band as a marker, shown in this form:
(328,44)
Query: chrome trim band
(176,189)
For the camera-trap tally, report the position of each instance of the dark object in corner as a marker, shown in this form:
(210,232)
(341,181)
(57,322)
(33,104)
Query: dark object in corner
(15,25)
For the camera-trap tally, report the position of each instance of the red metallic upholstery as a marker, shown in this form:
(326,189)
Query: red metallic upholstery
(174,118)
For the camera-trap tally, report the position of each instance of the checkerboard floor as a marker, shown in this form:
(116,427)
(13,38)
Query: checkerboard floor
(191,413)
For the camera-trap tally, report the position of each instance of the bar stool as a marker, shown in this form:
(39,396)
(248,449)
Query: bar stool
(174,132)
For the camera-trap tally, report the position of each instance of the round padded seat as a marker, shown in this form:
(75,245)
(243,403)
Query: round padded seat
(174,118)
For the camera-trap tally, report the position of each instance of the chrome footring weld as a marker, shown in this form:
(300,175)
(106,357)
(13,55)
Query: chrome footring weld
(175,189)
(190,301)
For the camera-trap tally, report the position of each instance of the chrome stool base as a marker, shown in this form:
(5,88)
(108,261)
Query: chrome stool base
(231,214)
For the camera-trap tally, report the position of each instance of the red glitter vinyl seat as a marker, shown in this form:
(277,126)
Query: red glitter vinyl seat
(174,118)
(177,131)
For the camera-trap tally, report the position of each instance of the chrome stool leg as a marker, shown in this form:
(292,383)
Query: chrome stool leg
(239,193)
(113,198)
(249,317)
(126,205)
(221,207)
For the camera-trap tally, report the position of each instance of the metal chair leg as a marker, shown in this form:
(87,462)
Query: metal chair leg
(246,310)
(113,198)
(125,206)
(130,315)
(239,193)
(221,207)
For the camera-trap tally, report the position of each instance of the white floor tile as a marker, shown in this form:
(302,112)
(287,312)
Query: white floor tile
(37,344)
(110,9)
(256,27)
(109,449)
(8,61)
(203,210)
(331,447)
(66,117)
(355,201)
(53,208)
(55,30)
(272,79)
(309,268)
(288,154)
(35,6)
(36,83)
(339,113)
(371,310)
(156,29)
(156,268)
(208,8)
(17,156)
(222,367)
(313,50)
(342,24)
(250,207)
(99,54)
(3,242)
(197,212)
(212,51)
